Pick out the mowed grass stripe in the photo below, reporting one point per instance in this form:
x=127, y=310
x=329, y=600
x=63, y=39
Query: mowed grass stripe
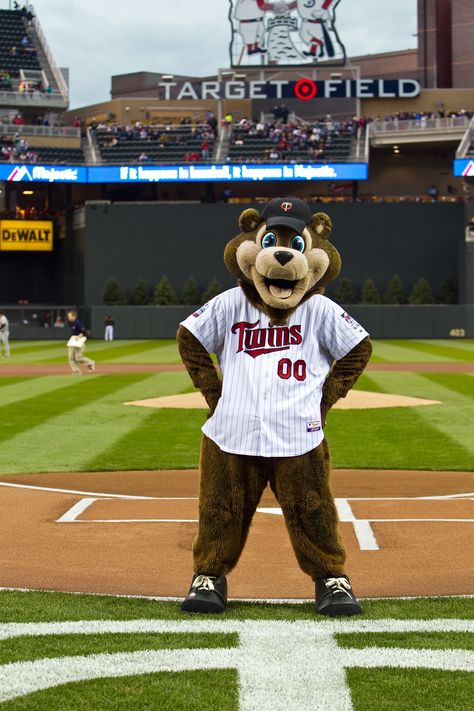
x=153, y=351
x=58, y=397
x=397, y=439
x=109, y=351
x=165, y=352
x=454, y=390
x=403, y=352
x=164, y=439
x=22, y=649
x=408, y=640
x=203, y=690
x=9, y=382
x=91, y=424
x=464, y=344
x=43, y=354
x=127, y=351
x=409, y=689
x=445, y=352
x=34, y=606
x=426, y=351
x=16, y=390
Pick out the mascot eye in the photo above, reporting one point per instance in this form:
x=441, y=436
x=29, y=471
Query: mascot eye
x=269, y=240
x=298, y=243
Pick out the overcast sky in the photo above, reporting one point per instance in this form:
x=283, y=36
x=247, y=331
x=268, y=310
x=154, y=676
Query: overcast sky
x=99, y=38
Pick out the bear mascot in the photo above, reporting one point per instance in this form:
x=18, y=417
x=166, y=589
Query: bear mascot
x=286, y=354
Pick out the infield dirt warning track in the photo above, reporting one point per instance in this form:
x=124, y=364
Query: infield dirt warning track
x=406, y=533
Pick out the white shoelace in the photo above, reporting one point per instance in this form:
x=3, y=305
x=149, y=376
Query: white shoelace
x=203, y=582
x=338, y=585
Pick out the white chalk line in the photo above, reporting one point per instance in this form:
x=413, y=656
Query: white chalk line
x=295, y=682
x=362, y=527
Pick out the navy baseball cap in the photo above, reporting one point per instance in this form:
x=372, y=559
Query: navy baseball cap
x=288, y=212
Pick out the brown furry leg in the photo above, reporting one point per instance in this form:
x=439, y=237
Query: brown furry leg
x=231, y=487
x=301, y=485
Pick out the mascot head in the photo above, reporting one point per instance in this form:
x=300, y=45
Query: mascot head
x=282, y=256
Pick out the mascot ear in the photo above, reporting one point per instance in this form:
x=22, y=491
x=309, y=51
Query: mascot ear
x=249, y=219
x=321, y=224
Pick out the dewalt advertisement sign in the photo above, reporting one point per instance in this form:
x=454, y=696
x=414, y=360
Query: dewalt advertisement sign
x=26, y=235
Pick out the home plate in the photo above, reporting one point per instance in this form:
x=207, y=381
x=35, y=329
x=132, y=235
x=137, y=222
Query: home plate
x=355, y=400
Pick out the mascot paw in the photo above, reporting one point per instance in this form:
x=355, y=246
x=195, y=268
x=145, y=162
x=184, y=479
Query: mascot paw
x=207, y=594
x=334, y=596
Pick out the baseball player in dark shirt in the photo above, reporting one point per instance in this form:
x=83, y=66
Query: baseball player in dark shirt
x=76, y=345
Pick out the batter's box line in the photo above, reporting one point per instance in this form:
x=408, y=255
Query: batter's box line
x=72, y=514
x=363, y=529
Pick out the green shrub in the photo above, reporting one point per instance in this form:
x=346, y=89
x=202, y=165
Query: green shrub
x=140, y=296
x=190, y=293
x=164, y=293
x=212, y=290
x=421, y=293
x=395, y=291
x=448, y=290
x=370, y=293
x=345, y=292
x=113, y=294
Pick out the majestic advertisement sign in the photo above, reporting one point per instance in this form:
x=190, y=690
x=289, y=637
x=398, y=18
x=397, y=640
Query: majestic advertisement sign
x=284, y=32
x=464, y=167
x=43, y=173
x=228, y=173
x=304, y=89
x=26, y=236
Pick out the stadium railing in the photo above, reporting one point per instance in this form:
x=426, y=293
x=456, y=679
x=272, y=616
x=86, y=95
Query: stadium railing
x=466, y=147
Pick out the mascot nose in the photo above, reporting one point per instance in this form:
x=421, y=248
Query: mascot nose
x=283, y=257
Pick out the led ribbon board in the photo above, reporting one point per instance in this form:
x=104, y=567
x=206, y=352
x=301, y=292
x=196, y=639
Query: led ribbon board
x=464, y=168
x=34, y=173
x=227, y=173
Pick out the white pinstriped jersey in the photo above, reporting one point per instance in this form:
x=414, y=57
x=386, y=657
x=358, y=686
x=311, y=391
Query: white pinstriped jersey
x=272, y=376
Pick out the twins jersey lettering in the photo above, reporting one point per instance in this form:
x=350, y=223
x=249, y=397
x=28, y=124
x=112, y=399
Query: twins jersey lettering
x=272, y=375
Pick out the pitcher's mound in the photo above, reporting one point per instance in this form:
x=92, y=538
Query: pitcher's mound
x=355, y=400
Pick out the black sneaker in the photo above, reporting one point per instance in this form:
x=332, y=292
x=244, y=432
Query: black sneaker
x=207, y=593
x=334, y=596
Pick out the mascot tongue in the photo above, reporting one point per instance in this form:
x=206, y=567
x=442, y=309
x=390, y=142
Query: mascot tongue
x=280, y=292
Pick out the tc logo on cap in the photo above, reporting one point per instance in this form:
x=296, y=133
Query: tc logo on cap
x=286, y=206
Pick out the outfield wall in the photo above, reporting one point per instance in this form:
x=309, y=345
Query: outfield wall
x=143, y=322
x=381, y=321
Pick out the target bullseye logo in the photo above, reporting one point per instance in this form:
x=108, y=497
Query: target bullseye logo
x=305, y=89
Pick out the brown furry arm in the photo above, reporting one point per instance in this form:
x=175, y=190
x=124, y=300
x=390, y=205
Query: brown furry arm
x=199, y=366
x=344, y=374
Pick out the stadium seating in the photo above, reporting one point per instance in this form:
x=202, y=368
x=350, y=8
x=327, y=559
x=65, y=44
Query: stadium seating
x=162, y=144
x=317, y=142
x=13, y=30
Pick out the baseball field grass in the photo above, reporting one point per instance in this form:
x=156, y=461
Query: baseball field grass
x=88, y=652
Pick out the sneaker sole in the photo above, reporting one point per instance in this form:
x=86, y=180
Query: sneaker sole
x=336, y=610
x=203, y=606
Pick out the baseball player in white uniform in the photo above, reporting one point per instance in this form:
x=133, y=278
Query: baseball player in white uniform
x=250, y=14
x=279, y=378
x=315, y=20
x=5, y=334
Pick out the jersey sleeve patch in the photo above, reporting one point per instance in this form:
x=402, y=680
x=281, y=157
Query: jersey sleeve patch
x=200, y=311
x=352, y=322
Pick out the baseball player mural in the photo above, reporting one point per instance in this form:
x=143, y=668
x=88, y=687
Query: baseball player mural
x=317, y=29
x=287, y=354
x=249, y=15
x=285, y=32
